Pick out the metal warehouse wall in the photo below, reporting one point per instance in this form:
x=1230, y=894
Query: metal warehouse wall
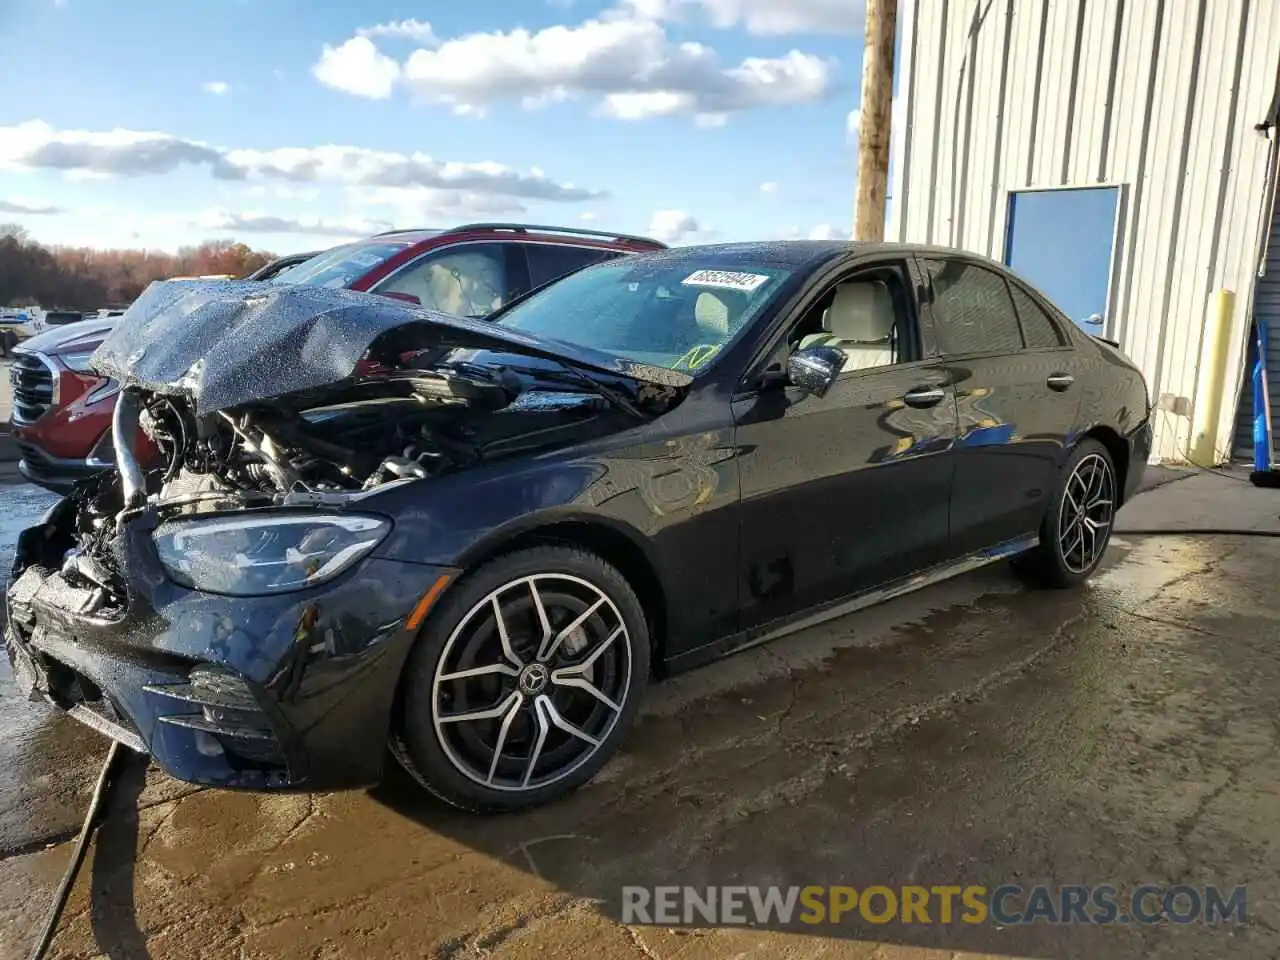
x=1158, y=95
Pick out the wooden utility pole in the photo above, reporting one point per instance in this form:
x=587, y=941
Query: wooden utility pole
x=874, y=121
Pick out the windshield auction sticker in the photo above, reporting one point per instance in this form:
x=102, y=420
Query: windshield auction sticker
x=725, y=280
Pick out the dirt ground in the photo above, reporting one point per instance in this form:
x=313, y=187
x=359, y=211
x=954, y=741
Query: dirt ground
x=973, y=733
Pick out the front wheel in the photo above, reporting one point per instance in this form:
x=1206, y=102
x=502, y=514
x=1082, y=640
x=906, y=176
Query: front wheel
x=524, y=681
x=1077, y=526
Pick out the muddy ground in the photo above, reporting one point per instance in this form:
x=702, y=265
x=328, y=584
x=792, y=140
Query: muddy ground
x=975, y=732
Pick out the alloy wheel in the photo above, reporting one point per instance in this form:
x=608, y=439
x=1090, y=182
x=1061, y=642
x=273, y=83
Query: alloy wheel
x=531, y=682
x=1086, y=513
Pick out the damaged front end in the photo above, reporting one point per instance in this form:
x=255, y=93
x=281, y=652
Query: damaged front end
x=218, y=600
x=238, y=400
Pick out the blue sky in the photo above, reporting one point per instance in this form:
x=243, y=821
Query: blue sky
x=292, y=125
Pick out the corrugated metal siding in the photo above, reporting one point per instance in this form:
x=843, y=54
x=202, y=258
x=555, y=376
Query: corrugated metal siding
x=1160, y=96
x=1266, y=306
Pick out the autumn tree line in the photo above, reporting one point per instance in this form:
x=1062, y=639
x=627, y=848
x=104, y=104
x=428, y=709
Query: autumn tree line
x=83, y=278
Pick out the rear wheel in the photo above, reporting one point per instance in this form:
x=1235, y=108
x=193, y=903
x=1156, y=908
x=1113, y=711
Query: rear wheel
x=1077, y=526
x=524, y=681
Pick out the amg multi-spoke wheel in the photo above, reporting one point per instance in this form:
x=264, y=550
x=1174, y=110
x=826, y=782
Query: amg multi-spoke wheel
x=1085, y=512
x=1077, y=525
x=525, y=679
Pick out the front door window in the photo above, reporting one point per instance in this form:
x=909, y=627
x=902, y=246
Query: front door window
x=466, y=281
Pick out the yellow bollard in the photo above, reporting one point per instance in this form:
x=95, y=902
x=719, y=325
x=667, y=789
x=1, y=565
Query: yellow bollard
x=1213, y=367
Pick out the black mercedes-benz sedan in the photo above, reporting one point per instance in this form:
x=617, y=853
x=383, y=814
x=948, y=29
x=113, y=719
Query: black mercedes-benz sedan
x=341, y=523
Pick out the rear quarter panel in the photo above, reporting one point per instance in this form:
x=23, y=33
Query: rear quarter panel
x=1114, y=393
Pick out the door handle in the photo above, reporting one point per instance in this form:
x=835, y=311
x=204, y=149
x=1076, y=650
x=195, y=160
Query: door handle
x=923, y=396
x=1060, y=381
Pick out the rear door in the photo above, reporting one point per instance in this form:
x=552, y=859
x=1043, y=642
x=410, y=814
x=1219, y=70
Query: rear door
x=1015, y=394
x=851, y=489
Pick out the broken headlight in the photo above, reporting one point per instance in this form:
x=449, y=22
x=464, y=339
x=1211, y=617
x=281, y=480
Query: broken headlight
x=252, y=556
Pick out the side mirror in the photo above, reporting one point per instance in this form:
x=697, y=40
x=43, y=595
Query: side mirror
x=815, y=369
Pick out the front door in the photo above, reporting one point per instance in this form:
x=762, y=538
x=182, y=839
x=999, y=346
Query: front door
x=848, y=490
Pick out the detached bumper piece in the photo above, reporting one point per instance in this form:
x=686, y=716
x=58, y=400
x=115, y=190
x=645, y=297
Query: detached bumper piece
x=83, y=700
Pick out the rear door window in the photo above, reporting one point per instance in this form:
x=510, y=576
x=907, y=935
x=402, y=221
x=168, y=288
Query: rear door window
x=549, y=261
x=972, y=309
x=1038, y=330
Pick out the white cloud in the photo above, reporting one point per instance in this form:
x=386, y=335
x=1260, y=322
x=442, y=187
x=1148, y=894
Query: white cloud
x=284, y=192
x=35, y=144
x=129, y=153
x=852, y=123
x=359, y=68
x=761, y=17
x=587, y=216
x=676, y=226
x=216, y=87
x=823, y=231
x=410, y=29
x=424, y=206
x=769, y=188
x=827, y=231
x=627, y=63
x=257, y=222
x=27, y=208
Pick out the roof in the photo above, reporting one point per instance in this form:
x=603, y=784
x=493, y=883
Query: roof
x=582, y=234
x=780, y=253
x=800, y=253
x=416, y=235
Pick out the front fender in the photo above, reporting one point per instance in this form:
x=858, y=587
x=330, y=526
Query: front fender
x=674, y=497
x=455, y=516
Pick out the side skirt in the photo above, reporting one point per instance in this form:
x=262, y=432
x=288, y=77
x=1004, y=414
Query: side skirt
x=766, y=632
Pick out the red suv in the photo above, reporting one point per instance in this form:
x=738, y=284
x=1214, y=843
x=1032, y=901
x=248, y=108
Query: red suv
x=62, y=410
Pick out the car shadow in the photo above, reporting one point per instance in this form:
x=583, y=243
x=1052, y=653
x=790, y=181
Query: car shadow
x=112, y=906
x=884, y=764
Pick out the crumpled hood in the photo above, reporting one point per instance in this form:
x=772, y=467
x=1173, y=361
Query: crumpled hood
x=223, y=344
x=70, y=337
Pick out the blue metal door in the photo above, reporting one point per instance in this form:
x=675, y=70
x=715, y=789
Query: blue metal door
x=1063, y=241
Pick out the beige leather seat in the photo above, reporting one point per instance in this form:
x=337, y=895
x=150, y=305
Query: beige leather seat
x=712, y=316
x=859, y=322
x=464, y=283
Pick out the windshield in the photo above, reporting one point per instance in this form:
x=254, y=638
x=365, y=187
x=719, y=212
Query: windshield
x=670, y=314
x=341, y=266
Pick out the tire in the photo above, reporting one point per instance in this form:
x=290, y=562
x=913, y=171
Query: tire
x=1062, y=560
x=558, y=717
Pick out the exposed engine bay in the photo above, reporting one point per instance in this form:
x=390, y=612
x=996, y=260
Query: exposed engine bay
x=394, y=426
